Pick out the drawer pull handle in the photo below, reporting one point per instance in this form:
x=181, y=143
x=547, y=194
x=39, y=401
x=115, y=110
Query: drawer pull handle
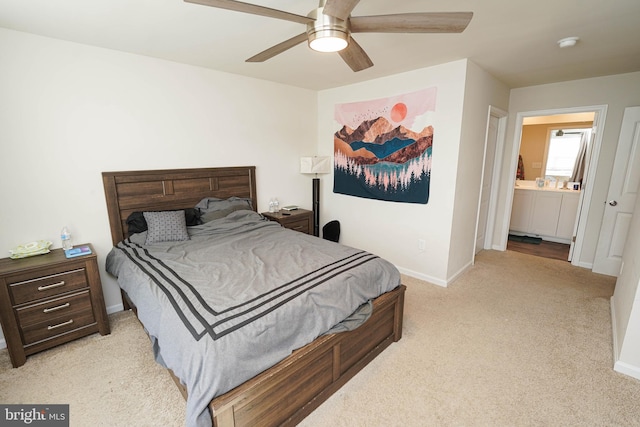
x=59, y=307
x=59, y=325
x=54, y=285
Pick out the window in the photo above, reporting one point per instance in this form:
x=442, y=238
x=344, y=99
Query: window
x=562, y=152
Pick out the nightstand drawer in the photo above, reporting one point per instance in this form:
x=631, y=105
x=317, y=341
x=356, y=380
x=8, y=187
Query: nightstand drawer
x=47, y=286
x=57, y=325
x=300, y=225
x=299, y=220
x=53, y=308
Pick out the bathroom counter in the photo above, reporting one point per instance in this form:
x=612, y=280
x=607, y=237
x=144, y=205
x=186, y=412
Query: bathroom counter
x=531, y=185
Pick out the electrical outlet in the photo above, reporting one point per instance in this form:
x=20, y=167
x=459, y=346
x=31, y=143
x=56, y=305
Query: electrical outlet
x=422, y=245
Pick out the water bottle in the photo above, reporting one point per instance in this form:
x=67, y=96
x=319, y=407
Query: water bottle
x=271, y=206
x=276, y=205
x=65, y=236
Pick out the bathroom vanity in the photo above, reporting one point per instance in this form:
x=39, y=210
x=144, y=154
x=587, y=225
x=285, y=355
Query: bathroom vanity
x=549, y=213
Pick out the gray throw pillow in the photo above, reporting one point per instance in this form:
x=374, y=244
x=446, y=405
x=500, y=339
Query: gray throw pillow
x=210, y=204
x=166, y=226
x=213, y=215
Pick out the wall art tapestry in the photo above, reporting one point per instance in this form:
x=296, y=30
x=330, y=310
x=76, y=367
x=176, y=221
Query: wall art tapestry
x=383, y=150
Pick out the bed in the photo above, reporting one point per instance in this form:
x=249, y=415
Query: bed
x=290, y=386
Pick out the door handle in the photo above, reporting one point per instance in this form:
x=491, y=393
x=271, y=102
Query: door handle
x=613, y=203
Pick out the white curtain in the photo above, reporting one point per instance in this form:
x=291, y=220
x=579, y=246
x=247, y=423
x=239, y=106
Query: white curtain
x=578, y=167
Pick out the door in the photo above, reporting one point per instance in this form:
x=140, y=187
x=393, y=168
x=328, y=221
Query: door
x=623, y=190
x=487, y=177
x=625, y=305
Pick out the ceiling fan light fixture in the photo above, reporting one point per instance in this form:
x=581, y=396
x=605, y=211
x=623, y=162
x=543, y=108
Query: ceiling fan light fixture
x=327, y=33
x=328, y=41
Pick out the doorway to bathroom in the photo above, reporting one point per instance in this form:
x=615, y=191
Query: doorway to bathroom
x=546, y=206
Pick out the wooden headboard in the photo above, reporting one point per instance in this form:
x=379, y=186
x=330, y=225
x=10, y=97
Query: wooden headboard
x=171, y=189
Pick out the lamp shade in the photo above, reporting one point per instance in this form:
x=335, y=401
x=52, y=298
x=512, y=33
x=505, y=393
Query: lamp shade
x=315, y=164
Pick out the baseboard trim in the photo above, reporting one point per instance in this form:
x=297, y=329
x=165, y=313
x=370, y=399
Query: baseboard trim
x=453, y=278
x=614, y=331
x=434, y=280
x=627, y=369
x=421, y=276
x=587, y=265
x=618, y=366
x=115, y=308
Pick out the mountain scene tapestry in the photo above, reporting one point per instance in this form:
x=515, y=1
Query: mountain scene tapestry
x=383, y=149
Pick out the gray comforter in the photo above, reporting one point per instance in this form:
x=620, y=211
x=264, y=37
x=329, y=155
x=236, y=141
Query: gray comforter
x=240, y=296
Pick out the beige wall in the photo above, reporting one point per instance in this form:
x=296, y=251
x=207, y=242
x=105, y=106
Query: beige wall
x=70, y=112
x=388, y=229
x=447, y=222
x=533, y=142
x=481, y=91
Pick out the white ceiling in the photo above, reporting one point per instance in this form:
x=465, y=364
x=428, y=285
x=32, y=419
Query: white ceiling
x=514, y=40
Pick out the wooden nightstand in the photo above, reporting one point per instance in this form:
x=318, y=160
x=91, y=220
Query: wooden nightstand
x=299, y=220
x=47, y=300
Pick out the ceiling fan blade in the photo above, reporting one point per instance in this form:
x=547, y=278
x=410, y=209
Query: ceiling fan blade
x=340, y=9
x=253, y=9
x=279, y=48
x=436, y=22
x=355, y=56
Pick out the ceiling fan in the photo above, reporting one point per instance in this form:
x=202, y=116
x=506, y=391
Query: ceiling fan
x=329, y=27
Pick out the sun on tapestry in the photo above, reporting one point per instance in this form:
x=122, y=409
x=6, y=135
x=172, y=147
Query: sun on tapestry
x=383, y=148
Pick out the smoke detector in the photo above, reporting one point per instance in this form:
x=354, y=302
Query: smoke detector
x=568, y=41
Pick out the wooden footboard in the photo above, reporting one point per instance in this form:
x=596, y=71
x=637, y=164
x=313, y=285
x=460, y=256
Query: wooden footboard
x=292, y=389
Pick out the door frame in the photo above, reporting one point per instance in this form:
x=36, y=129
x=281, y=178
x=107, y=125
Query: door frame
x=587, y=192
x=502, y=117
